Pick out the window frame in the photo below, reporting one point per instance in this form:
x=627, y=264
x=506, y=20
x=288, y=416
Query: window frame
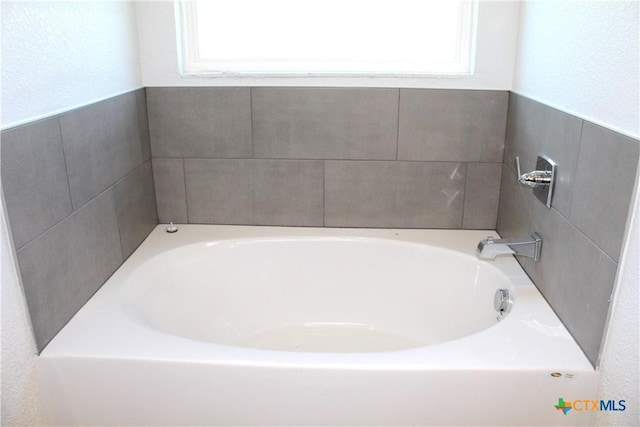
x=191, y=65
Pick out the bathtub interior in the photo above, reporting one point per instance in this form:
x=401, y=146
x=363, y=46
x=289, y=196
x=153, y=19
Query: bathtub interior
x=317, y=294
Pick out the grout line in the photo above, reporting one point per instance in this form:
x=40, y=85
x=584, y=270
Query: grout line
x=153, y=184
x=331, y=160
x=575, y=171
x=324, y=192
x=398, y=125
x=64, y=158
x=495, y=225
x=74, y=212
x=251, y=122
x=506, y=128
x=115, y=208
x=466, y=185
x=186, y=197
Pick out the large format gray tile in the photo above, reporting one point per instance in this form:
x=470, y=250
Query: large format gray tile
x=65, y=266
x=605, y=176
x=452, y=125
x=136, y=207
x=394, y=194
x=254, y=192
x=200, y=121
x=34, y=179
x=102, y=143
x=325, y=123
x=171, y=197
x=481, y=196
x=575, y=277
x=534, y=128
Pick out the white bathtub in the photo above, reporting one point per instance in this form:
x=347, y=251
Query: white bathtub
x=223, y=325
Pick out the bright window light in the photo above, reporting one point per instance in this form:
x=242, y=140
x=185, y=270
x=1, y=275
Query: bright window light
x=330, y=37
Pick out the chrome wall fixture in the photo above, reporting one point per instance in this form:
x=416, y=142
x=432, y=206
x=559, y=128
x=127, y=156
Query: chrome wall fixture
x=529, y=246
x=541, y=180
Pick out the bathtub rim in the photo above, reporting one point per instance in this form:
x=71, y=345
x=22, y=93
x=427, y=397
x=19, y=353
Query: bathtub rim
x=90, y=332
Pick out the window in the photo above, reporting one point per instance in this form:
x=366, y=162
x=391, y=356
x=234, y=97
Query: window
x=329, y=37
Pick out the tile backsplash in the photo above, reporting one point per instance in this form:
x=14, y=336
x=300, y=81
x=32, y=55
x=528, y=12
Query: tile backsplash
x=84, y=188
x=584, y=229
x=79, y=196
x=335, y=157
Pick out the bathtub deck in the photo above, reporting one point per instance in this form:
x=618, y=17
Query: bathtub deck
x=104, y=367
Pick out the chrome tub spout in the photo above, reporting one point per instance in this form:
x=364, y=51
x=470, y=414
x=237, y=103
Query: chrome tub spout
x=529, y=246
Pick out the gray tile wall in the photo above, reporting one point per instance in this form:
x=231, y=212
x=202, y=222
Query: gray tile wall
x=338, y=157
x=82, y=190
x=79, y=194
x=583, y=231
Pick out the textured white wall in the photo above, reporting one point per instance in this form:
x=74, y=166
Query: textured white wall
x=497, y=29
x=59, y=55
x=21, y=405
x=582, y=57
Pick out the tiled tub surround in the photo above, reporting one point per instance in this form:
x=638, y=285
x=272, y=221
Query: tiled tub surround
x=348, y=157
x=79, y=194
x=584, y=229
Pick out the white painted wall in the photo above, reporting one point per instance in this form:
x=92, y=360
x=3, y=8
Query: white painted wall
x=582, y=57
x=59, y=55
x=56, y=56
x=21, y=405
x=497, y=30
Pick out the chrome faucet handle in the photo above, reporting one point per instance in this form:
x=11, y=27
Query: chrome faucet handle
x=540, y=180
x=534, y=178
